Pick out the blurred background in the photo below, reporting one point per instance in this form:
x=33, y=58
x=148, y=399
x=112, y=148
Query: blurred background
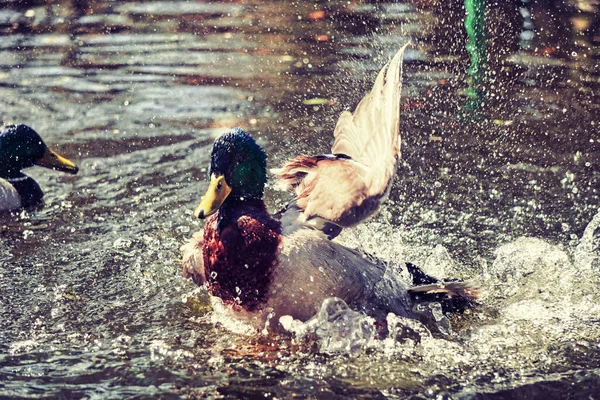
x=499, y=184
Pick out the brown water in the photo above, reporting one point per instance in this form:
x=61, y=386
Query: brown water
x=92, y=302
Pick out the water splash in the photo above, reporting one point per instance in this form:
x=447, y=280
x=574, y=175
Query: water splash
x=336, y=327
x=587, y=253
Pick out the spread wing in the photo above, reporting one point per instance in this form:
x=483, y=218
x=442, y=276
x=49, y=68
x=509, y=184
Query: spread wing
x=348, y=186
x=370, y=135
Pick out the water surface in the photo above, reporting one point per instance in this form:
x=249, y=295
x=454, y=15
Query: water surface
x=92, y=301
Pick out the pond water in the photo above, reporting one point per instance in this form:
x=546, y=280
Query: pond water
x=502, y=190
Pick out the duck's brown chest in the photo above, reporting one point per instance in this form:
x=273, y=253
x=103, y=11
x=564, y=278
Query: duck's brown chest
x=239, y=259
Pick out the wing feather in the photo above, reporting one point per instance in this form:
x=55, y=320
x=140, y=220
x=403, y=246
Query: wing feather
x=349, y=185
x=370, y=135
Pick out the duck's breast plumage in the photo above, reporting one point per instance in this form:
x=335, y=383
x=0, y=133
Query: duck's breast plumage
x=239, y=258
x=9, y=197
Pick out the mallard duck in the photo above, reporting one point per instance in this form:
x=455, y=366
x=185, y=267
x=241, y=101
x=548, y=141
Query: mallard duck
x=261, y=266
x=22, y=147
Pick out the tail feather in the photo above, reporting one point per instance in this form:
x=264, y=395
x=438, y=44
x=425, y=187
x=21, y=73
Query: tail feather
x=449, y=290
x=454, y=296
x=418, y=276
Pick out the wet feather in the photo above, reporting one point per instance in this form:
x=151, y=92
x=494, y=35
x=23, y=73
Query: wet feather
x=349, y=185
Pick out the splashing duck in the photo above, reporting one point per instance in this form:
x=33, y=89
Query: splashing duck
x=260, y=266
x=22, y=147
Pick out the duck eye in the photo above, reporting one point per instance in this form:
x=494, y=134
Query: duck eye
x=219, y=186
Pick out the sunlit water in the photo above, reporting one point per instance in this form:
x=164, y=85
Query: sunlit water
x=92, y=302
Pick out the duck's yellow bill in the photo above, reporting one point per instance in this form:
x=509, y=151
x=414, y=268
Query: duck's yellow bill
x=52, y=160
x=215, y=195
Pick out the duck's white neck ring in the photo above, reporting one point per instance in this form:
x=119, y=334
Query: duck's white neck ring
x=18, y=179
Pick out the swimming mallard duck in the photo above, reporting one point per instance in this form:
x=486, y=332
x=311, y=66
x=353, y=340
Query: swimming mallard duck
x=21, y=147
x=262, y=266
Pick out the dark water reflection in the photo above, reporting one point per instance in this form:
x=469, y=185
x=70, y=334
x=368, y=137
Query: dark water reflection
x=91, y=295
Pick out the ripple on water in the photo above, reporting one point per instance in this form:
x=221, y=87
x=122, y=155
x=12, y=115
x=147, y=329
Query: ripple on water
x=180, y=8
x=92, y=301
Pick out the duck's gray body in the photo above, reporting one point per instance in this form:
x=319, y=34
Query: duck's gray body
x=311, y=269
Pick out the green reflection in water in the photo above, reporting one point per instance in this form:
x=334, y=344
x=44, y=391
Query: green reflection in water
x=476, y=46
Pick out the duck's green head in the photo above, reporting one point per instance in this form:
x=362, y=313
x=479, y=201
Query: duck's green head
x=21, y=147
x=238, y=168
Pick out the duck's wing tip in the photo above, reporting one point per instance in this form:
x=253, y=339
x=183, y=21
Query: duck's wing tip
x=374, y=124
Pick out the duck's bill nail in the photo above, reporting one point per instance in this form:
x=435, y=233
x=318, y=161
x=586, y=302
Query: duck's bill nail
x=52, y=160
x=217, y=192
